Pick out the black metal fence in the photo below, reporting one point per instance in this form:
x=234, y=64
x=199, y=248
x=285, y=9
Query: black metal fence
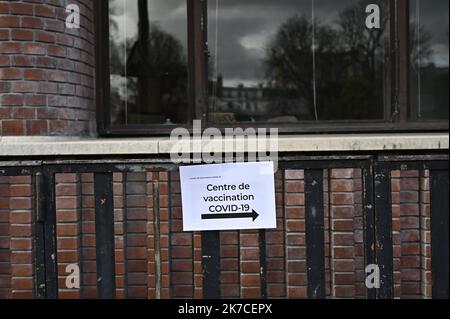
x=377, y=215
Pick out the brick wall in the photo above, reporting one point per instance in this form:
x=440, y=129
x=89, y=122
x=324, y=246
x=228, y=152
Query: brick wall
x=47, y=82
x=155, y=258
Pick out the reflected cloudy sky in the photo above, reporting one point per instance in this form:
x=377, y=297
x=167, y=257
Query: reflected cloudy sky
x=433, y=15
x=169, y=15
x=243, y=27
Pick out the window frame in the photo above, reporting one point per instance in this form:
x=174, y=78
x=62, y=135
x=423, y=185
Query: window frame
x=197, y=83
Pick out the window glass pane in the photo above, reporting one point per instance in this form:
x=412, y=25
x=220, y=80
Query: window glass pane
x=429, y=59
x=148, y=61
x=303, y=60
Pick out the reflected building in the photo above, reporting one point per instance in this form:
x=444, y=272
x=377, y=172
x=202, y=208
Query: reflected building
x=254, y=104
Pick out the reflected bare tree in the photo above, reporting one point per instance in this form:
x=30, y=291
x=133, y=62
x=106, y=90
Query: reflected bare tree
x=420, y=44
x=154, y=68
x=351, y=62
x=289, y=57
x=157, y=60
x=364, y=46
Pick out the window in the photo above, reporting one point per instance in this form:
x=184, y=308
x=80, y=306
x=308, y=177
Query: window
x=294, y=61
x=302, y=66
x=148, y=62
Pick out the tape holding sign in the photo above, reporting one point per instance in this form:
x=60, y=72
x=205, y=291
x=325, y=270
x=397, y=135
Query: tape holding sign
x=228, y=196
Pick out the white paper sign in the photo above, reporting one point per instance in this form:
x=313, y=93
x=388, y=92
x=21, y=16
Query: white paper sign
x=228, y=196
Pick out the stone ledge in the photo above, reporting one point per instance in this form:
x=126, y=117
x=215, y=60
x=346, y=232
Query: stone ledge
x=70, y=146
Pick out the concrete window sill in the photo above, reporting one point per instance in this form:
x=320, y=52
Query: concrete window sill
x=68, y=146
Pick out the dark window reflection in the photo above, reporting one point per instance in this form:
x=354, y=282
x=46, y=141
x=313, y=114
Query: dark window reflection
x=148, y=48
x=302, y=60
x=429, y=59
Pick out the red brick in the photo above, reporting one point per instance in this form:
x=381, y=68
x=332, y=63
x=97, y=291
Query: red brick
x=20, y=257
x=342, y=186
x=23, y=87
x=9, y=22
x=44, y=11
x=343, y=239
x=294, y=174
x=33, y=74
x=343, y=225
x=344, y=266
x=344, y=279
x=294, y=187
x=32, y=23
x=295, y=199
x=22, y=283
x=10, y=74
x=34, y=48
x=4, y=8
x=249, y=240
x=250, y=293
x=37, y=127
x=42, y=36
x=13, y=127
x=21, y=244
x=410, y=249
x=297, y=292
x=20, y=217
x=21, y=9
x=137, y=253
x=295, y=225
x=21, y=35
x=342, y=199
x=345, y=291
x=22, y=270
x=342, y=173
x=4, y=61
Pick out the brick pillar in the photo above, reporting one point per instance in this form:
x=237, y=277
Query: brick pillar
x=47, y=82
x=119, y=234
x=275, y=250
x=182, y=266
x=249, y=263
x=88, y=251
x=166, y=275
x=5, y=254
x=136, y=235
x=410, y=234
x=360, y=265
x=396, y=228
x=229, y=264
x=198, y=267
x=343, y=237
x=21, y=232
x=68, y=230
x=295, y=234
x=425, y=232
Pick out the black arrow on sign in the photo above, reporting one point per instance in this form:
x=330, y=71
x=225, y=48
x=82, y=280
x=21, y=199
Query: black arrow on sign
x=254, y=215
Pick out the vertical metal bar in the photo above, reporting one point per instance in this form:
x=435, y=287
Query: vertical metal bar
x=39, y=240
x=369, y=220
x=315, y=250
x=400, y=58
x=51, y=271
x=439, y=233
x=211, y=264
x=104, y=230
x=262, y=263
x=383, y=225
x=197, y=58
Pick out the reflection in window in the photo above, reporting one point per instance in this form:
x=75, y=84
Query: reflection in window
x=429, y=59
x=290, y=61
x=148, y=61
